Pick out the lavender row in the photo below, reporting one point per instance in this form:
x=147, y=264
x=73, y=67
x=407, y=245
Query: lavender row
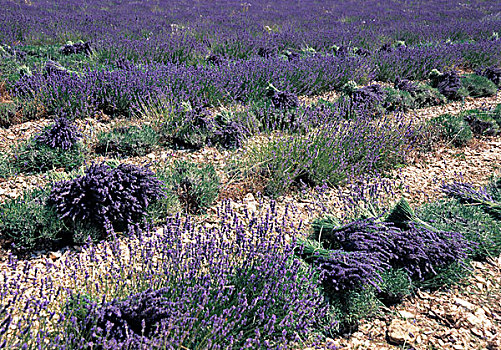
x=178, y=29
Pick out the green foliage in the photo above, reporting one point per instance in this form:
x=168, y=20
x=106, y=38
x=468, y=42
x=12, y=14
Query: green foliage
x=350, y=307
x=196, y=186
x=34, y=157
x=132, y=141
x=478, y=86
x=8, y=112
x=481, y=122
x=452, y=128
x=397, y=100
x=29, y=222
x=394, y=286
x=471, y=221
x=427, y=96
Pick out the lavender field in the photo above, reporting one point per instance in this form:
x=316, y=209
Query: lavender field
x=250, y=175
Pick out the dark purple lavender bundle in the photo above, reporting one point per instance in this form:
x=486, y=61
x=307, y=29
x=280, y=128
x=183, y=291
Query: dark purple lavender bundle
x=343, y=50
x=466, y=193
x=215, y=59
x=228, y=135
x=285, y=100
x=61, y=134
x=492, y=73
x=418, y=250
x=342, y=271
x=105, y=197
x=360, y=51
x=368, y=100
x=449, y=84
x=405, y=85
x=368, y=95
x=386, y=48
x=76, y=48
x=282, y=99
x=266, y=52
x=55, y=68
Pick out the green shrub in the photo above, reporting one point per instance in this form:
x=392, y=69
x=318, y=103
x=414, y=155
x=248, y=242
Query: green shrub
x=397, y=100
x=34, y=157
x=130, y=141
x=196, y=186
x=8, y=111
x=478, y=86
x=426, y=96
x=481, y=122
x=471, y=221
x=452, y=128
x=29, y=222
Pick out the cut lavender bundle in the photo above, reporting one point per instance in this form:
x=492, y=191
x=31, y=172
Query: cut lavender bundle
x=468, y=194
x=492, y=73
x=61, y=134
x=105, y=197
x=448, y=83
x=282, y=99
x=76, y=48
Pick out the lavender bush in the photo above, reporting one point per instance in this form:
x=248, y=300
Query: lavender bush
x=331, y=153
x=57, y=146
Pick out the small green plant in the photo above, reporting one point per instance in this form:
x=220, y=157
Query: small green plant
x=8, y=112
x=397, y=100
x=34, y=157
x=478, y=86
x=481, y=122
x=452, y=128
x=196, y=186
x=132, y=141
x=29, y=222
